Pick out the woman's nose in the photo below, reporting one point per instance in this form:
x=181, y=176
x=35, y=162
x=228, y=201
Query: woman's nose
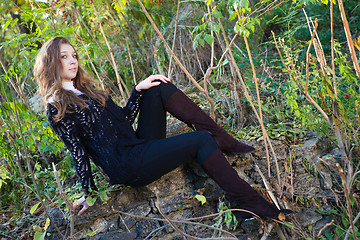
x=72, y=60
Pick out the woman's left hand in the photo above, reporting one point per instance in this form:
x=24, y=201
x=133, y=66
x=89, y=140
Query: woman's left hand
x=81, y=202
x=149, y=82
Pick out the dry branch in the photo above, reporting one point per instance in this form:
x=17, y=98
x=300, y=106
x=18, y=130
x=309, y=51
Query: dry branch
x=349, y=39
x=120, y=81
x=175, y=57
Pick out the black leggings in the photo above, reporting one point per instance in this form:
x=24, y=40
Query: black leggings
x=165, y=154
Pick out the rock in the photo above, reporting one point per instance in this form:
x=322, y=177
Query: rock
x=115, y=236
x=250, y=225
x=321, y=226
x=315, y=147
x=37, y=103
x=59, y=219
x=308, y=217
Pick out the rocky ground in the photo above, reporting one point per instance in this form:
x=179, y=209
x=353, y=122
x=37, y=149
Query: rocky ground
x=306, y=179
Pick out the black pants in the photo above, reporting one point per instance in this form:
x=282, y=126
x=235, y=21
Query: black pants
x=166, y=154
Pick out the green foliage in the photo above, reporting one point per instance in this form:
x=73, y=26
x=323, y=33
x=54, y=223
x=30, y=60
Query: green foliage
x=26, y=137
x=200, y=198
x=228, y=219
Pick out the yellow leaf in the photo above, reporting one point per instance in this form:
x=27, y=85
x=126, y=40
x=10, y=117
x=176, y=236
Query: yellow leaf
x=47, y=223
x=33, y=209
x=357, y=43
x=281, y=217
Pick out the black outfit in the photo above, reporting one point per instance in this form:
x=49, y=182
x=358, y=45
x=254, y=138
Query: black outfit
x=128, y=157
x=138, y=158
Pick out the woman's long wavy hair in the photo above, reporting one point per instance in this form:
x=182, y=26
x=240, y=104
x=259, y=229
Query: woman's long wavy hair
x=47, y=72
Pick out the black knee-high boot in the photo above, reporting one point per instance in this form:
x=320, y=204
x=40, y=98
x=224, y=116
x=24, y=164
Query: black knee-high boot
x=219, y=169
x=184, y=109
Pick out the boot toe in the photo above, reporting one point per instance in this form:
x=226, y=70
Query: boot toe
x=241, y=148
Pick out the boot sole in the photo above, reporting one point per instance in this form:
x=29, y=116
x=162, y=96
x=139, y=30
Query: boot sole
x=239, y=153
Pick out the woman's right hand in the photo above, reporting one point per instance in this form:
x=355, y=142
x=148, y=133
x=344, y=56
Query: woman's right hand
x=81, y=202
x=150, y=82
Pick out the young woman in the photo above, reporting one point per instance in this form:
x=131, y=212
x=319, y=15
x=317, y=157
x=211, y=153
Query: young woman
x=92, y=126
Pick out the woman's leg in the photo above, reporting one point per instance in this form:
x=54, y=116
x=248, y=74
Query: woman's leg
x=166, y=154
x=184, y=109
x=166, y=97
x=152, y=116
x=219, y=169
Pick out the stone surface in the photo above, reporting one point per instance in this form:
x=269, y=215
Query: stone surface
x=176, y=191
x=115, y=236
x=308, y=217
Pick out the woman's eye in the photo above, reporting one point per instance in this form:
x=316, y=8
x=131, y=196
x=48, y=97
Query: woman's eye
x=75, y=56
x=63, y=56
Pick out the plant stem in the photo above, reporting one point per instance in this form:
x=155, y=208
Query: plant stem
x=349, y=39
x=174, y=38
x=175, y=57
x=121, y=83
x=260, y=112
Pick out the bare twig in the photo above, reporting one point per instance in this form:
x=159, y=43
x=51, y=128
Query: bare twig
x=349, y=39
x=121, y=83
x=30, y=169
x=130, y=58
x=280, y=233
x=267, y=187
x=267, y=231
x=348, y=201
x=187, y=221
x=174, y=38
x=177, y=229
x=307, y=96
x=260, y=112
x=93, y=67
x=66, y=200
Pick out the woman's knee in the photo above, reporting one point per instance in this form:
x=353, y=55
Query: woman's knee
x=207, y=145
x=164, y=90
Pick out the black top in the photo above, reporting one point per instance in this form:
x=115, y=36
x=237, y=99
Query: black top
x=105, y=135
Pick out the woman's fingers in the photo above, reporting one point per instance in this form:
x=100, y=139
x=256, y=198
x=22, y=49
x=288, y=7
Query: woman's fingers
x=151, y=82
x=85, y=206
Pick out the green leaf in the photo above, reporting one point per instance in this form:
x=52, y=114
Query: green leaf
x=252, y=27
x=39, y=235
x=209, y=39
x=200, y=198
x=217, y=28
x=93, y=233
x=289, y=225
x=208, y=2
x=218, y=14
x=7, y=24
x=91, y=200
x=325, y=2
x=241, y=4
x=103, y=196
x=33, y=209
x=237, y=28
x=202, y=42
x=195, y=44
x=232, y=15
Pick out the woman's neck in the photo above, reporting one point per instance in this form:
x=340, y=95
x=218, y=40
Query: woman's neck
x=69, y=85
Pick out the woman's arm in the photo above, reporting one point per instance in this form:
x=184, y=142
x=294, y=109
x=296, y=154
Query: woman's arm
x=133, y=105
x=68, y=131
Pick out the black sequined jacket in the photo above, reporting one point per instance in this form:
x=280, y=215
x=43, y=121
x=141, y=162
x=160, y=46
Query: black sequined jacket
x=103, y=134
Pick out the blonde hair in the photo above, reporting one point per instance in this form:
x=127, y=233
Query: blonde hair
x=47, y=71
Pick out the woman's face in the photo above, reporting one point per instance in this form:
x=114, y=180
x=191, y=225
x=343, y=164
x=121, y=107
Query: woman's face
x=69, y=62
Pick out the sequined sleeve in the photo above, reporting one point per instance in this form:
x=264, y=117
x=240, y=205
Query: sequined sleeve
x=68, y=132
x=133, y=105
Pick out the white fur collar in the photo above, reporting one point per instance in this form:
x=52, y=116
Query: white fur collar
x=67, y=86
